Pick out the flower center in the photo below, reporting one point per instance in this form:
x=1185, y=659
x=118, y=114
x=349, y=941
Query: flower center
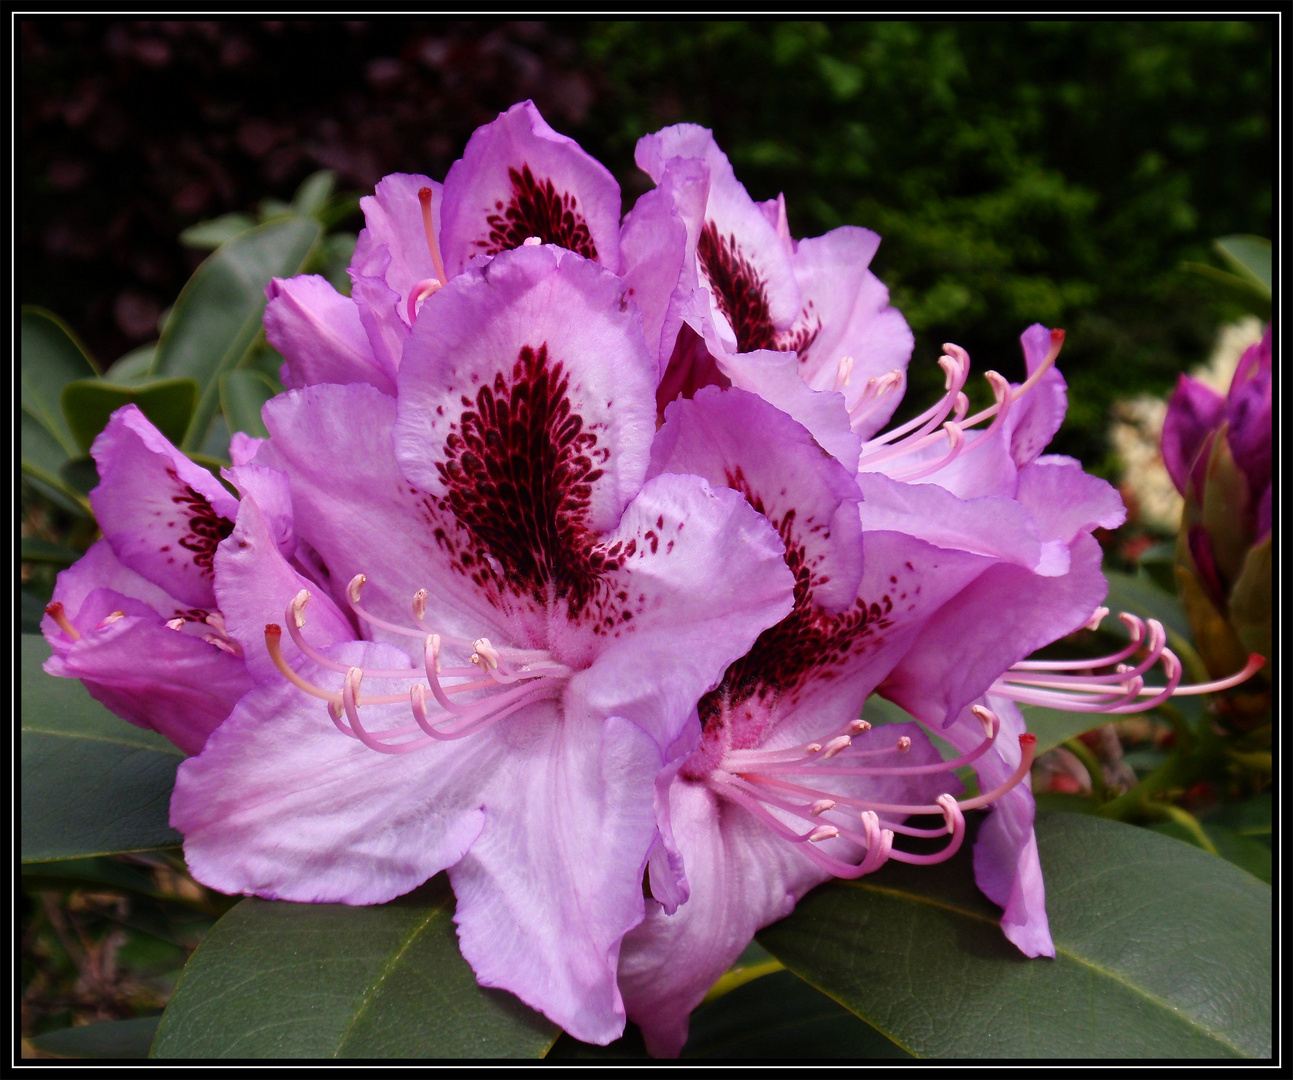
x=537, y=209
x=504, y=680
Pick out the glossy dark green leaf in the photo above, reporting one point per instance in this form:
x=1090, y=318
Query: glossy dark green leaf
x=1162, y=951
x=217, y=317
x=1141, y=596
x=781, y=1016
x=80, y=474
x=1054, y=727
x=1249, y=256
x=1239, y=289
x=242, y=393
x=35, y=550
x=135, y=366
x=112, y=1039
x=1234, y=847
x=168, y=403
x=32, y=611
x=1251, y=818
x=274, y=979
x=91, y=783
x=209, y=235
x=314, y=192
x=51, y=358
x=101, y=872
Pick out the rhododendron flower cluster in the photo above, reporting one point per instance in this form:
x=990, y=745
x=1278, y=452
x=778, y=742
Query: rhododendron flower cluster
x=575, y=550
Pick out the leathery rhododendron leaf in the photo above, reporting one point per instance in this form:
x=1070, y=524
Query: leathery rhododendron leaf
x=91, y=784
x=276, y=979
x=1162, y=950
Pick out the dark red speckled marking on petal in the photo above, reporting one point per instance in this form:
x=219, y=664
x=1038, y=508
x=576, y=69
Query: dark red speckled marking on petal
x=739, y=293
x=519, y=468
x=806, y=643
x=537, y=209
x=206, y=527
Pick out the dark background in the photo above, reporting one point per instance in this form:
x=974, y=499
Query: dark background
x=1018, y=171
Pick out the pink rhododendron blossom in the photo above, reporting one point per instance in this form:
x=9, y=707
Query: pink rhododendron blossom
x=518, y=181
x=136, y=619
x=564, y=610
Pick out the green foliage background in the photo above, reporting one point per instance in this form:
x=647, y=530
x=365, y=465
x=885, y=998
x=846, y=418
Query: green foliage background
x=1018, y=172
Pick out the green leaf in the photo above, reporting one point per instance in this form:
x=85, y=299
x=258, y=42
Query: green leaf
x=168, y=403
x=242, y=393
x=91, y=783
x=1141, y=596
x=1250, y=600
x=32, y=611
x=1243, y=851
x=315, y=191
x=1238, y=289
x=1053, y=727
x=275, y=979
x=781, y=1016
x=34, y=550
x=1249, y=256
x=1251, y=818
x=135, y=366
x=51, y=358
x=217, y=317
x=80, y=474
x=111, y=1039
x=97, y=873
x=209, y=235
x=1162, y=951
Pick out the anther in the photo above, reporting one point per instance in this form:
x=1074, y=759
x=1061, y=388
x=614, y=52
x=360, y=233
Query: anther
x=813, y=748
x=836, y=746
x=433, y=650
x=844, y=373
x=1097, y=617
x=823, y=832
x=484, y=655
x=108, y=620
x=531, y=241
x=821, y=806
x=55, y=611
x=856, y=727
x=419, y=604
x=175, y=624
x=987, y=718
x=355, y=587
x=298, y=607
x=903, y=745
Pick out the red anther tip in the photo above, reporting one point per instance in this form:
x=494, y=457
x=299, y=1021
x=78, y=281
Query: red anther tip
x=1027, y=739
x=1057, y=337
x=53, y=609
x=424, y=195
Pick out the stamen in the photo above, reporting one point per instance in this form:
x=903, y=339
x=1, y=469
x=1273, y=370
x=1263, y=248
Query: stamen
x=844, y=372
x=418, y=293
x=1097, y=617
x=108, y=620
x=531, y=241
x=857, y=727
x=273, y=645
x=175, y=624
x=55, y=611
x=484, y=654
x=821, y=806
x=836, y=746
x=425, y=196
x=823, y=832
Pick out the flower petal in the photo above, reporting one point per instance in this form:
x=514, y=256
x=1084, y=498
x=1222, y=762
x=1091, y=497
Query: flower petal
x=554, y=881
x=1036, y=417
x=846, y=312
x=703, y=574
x=745, y=264
x=394, y=233
x=735, y=439
x=162, y=514
x=518, y=178
x=281, y=804
x=658, y=251
x=320, y=335
x=1193, y=412
x=352, y=505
